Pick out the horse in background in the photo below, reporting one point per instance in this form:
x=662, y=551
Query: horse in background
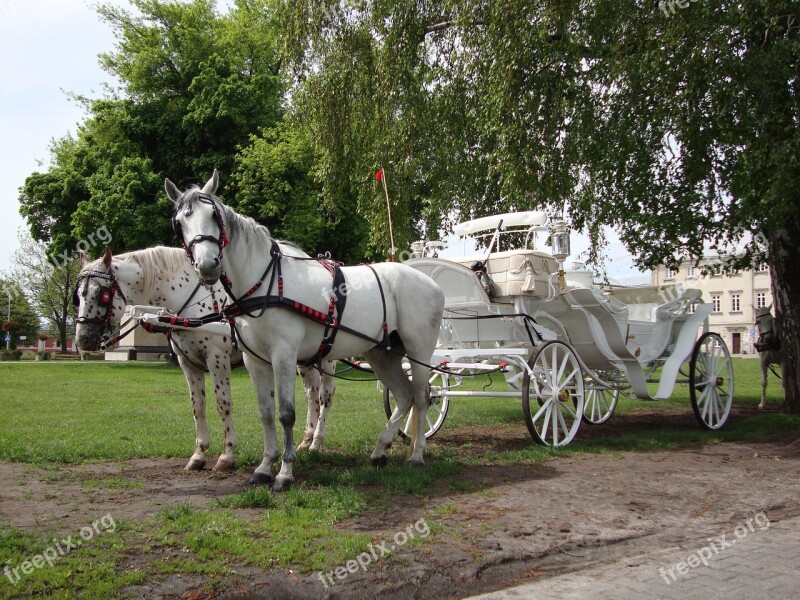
x=768, y=347
x=164, y=277
x=282, y=318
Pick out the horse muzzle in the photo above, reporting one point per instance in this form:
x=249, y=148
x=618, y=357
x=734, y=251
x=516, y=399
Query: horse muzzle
x=88, y=338
x=209, y=271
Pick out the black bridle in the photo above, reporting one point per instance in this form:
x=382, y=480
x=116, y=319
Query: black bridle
x=105, y=297
x=222, y=241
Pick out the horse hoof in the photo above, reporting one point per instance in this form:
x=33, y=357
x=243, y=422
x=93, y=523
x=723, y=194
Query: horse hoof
x=196, y=464
x=304, y=445
x=416, y=463
x=282, y=484
x=380, y=461
x=223, y=464
x=260, y=479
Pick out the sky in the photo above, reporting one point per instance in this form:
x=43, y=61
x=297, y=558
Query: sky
x=48, y=50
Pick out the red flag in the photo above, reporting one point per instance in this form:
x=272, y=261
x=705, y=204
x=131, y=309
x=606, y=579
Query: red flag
x=379, y=175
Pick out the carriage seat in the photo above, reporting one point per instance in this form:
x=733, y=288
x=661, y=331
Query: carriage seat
x=516, y=272
x=657, y=302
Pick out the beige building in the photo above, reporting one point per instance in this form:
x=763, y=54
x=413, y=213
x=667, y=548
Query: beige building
x=733, y=296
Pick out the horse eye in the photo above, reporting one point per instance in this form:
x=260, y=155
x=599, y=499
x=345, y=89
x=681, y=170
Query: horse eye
x=187, y=211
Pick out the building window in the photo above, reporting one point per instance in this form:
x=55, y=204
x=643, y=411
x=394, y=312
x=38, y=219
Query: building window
x=670, y=274
x=761, y=299
x=690, y=272
x=716, y=302
x=736, y=304
x=762, y=267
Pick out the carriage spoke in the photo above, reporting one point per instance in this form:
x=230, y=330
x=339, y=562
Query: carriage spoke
x=568, y=408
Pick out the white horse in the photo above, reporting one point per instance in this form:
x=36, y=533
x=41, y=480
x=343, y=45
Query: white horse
x=390, y=310
x=768, y=346
x=164, y=277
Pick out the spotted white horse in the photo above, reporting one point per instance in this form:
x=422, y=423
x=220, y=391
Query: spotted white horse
x=768, y=346
x=391, y=309
x=164, y=277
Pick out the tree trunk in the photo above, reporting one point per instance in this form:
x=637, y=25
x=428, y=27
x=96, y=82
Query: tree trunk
x=62, y=332
x=784, y=262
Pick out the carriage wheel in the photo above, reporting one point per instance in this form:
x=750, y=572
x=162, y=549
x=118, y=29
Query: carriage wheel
x=552, y=395
x=711, y=381
x=438, y=404
x=599, y=404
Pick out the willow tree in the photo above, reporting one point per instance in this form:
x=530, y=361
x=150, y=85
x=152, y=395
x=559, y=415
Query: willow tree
x=676, y=125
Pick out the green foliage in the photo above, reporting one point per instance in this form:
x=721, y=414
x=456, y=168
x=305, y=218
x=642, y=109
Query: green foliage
x=664, y=126
x=277, y=187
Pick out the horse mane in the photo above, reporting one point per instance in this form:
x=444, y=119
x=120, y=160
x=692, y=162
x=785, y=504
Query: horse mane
x=154, y=262
x=244, y=228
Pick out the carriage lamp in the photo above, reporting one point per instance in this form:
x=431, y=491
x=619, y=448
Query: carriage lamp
x=418, y=249
x=559, y=240
x=559, y=236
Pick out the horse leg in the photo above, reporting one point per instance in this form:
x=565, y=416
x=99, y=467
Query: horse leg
x=388, y=367
x=327, y=389
x=219, y=367
x=420, y=376
x=312, y=384
x=196, y=380
x=764, y=367
x=284, y=367
x=263, y=381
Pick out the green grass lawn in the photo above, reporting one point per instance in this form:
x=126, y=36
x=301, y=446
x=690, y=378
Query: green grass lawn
x=56, y=413
x=74, y=412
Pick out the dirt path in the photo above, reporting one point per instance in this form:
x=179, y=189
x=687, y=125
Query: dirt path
x=510, y=524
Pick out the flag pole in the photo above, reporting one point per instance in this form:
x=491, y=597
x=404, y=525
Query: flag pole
x=382, y=177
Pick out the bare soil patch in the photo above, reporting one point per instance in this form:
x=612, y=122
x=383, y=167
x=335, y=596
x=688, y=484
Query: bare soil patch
x=495, y=526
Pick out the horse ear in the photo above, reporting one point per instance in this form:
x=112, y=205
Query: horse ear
x=107, y=257
x=211, y=185
x=173, y=193
x=769, y=308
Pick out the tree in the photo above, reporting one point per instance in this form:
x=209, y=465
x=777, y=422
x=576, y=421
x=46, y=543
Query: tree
x=47, y=286
x=275, y=179
x=678, y=126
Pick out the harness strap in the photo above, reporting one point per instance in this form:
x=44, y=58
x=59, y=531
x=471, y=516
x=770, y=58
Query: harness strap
x=386, y=343
x=274, y=267
x=337, y=304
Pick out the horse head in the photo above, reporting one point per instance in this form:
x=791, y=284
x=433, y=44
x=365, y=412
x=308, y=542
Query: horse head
x=199, y=223
x=764, y=319
x=95, y=293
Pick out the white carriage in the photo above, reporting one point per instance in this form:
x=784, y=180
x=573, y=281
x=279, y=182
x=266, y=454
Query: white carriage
x=567, y=348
